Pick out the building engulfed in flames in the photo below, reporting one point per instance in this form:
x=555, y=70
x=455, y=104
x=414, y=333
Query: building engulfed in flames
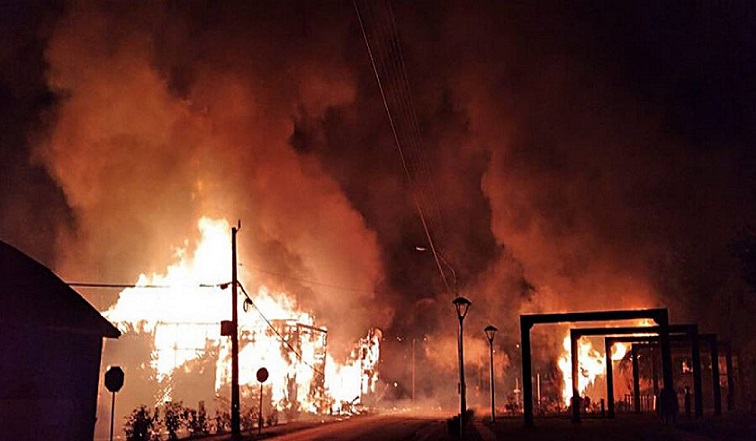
x=182, y=321
x=296, y=337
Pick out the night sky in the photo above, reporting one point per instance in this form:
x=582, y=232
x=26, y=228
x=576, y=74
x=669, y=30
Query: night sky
x=567, y=155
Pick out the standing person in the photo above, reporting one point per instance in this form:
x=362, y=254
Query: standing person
x=686, y=401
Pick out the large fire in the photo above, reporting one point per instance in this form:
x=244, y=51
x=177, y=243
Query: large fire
x=183, y=318
x=591, y=362
x=590, y=366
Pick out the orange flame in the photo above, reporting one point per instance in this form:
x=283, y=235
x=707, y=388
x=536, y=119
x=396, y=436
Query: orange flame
x=591, y=362
x=184, y=321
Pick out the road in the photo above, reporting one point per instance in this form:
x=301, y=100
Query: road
x=406, y=427
x=396, y=427
x=432, y=427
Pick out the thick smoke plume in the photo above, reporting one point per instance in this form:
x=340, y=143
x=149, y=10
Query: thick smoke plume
x=147, y=139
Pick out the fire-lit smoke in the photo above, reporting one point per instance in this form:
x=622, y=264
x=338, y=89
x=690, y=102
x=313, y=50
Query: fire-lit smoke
x=141, y=156
x=146, y=141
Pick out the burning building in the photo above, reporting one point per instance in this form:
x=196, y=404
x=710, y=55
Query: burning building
x=305, y=346
x=177, y=314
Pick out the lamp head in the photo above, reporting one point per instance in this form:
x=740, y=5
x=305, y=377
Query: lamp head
x=490, y=331
x=462, y=305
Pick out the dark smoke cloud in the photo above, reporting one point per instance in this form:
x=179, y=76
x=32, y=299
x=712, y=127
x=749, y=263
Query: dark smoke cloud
x=147, y=138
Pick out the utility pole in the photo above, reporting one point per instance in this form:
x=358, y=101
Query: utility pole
x=413, y=369
x=235, y=420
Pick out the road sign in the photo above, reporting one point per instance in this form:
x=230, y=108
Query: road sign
x=262, y=375
x=114, y=379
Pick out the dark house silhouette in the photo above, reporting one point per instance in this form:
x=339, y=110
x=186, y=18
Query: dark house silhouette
x=50, y=348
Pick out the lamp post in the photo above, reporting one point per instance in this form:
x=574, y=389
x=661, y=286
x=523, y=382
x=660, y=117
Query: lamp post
x=490, y=331
x=462, y=305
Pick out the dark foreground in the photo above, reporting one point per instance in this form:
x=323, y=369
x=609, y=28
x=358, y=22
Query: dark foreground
x=623, y=428
x=407, y=426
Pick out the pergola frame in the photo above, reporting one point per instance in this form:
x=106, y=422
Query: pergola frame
x=640, y=341
x=659, y=315
x=687, y=332
x=713, y=343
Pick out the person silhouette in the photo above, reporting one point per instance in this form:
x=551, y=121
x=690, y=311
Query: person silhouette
x=686, y=401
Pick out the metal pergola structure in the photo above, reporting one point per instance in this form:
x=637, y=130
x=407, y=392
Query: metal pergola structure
x=713, y=346
x=659, y=315
x=687, y=332
x=677, y=333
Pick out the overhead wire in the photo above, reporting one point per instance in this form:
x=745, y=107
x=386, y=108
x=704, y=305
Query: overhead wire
x=393, y=69
x=217, y=285
x=415, y=133
x=134, y=285
x=394, y=123
x=402, y=106
x=391, y=66
x=273, y=328
x=310, y=282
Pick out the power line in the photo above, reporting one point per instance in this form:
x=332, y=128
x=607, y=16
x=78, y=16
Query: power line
x=150, y=286
x=394, y=130
x=281, y=337
x=217, y=285
x=311, y=282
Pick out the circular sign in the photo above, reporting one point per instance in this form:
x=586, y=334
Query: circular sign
x=262, y=375
x=114, y=379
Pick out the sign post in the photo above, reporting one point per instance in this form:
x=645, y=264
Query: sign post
x=114, y=383
x=262, y=375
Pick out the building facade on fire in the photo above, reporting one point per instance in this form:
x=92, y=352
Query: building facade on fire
x=50, y=349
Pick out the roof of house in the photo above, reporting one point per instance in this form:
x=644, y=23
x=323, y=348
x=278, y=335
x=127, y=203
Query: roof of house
x=32, y=295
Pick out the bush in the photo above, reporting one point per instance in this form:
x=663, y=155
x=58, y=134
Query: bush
x=174, y=419
x=141, y=426
x=196, y=422
x=452, y=424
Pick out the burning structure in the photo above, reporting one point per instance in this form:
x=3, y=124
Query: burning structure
x=306, y=346
x=179, y=314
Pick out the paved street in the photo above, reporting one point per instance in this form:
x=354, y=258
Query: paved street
x=623, y=428
x=405, y=427
x=383, y=427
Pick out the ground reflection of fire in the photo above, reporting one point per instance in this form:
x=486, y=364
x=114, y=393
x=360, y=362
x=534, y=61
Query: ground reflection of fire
x=184, y=318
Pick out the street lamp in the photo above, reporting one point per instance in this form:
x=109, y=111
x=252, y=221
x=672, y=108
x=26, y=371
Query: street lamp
x=462, y=305
x=490, y=331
